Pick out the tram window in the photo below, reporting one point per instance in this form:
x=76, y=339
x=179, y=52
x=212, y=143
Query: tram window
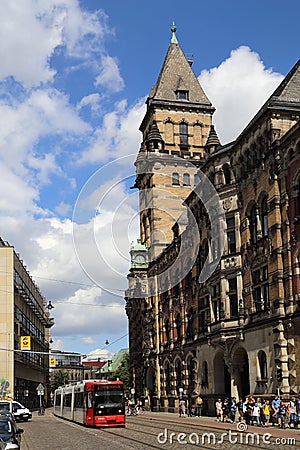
x=67, y=400
x=78, y=400
x=90, y=400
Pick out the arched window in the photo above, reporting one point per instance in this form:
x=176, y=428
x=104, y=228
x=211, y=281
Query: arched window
x=204, y=374
x=196, y=179
x=190, y=325
x=227, y=174
x=264, y=216
x=191, y=373
x=183, y=133
x=168, y=378
x=178, y=325
x=175, y=178
x=253, y=224
x=178, y=374
x=167, y=328
x=263, y=366
x=186, y=179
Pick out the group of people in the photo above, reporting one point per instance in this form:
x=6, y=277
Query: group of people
x=194, y=409
x=134, y=407
x=259, y=411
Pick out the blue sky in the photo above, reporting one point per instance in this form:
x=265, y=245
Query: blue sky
x=74, y=77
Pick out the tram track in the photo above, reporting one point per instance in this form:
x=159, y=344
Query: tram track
x=151, y=430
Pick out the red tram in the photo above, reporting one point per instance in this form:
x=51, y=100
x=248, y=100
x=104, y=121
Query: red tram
x=92, y=402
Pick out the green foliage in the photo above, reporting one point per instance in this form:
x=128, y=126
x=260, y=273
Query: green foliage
x=122, y=372
x=59, y=379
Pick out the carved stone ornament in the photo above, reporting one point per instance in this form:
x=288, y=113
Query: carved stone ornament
x=227, y=204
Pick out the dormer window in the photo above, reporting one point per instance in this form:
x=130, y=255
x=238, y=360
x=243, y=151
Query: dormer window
x=182, y=95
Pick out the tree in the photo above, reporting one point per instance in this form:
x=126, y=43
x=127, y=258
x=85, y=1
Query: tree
x=122, y=371
x=59, y=379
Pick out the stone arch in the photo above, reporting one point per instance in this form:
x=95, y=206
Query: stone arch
x=240, y=372
x=221, y=376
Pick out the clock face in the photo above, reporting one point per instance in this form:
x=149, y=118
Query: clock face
x=139, y=259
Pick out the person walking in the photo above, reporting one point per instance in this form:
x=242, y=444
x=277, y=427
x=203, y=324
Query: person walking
x=199, y=404
x=182, y=407
x=219, y=410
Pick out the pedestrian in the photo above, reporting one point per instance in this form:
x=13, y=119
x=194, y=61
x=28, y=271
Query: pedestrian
x=182, y=407
x=267, y=413
x=292, y=412
x=240, y=409
x=281, y=415
x=275, y=407
x=232, y=411
x=199, y=404
x=219, y=410
x=225, y=407
x=255, y=414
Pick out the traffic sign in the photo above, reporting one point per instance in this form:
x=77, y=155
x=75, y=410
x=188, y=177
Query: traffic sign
x=40, y=389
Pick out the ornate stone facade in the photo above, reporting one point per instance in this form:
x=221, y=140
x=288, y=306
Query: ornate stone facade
x=235, y=330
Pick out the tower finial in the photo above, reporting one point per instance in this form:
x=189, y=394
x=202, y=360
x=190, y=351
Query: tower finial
x=174, y=38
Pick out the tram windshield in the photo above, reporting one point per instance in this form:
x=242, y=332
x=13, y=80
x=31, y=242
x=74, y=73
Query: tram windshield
x=109, y=398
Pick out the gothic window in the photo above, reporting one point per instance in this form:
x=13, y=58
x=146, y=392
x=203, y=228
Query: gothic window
x=263, y=366
x=232, y=294
x=190, y=324
x=226, y=172
x=253, y=224
x=203, y=314
x=168, y=378
x=178, y=325
x=183, y=134
x=231, y=235
x=264, y=216
x=191, y=371
x=216, y=301
x=167, y=329
x=204, y=382
x=178, y=374
x=186, y=179
x=260, y=289
x=175, y=179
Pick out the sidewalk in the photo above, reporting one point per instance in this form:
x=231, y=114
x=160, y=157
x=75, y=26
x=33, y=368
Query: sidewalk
x=211, y=422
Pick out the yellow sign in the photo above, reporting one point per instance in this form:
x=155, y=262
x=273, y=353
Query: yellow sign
x=52, y=362
x=25, y=343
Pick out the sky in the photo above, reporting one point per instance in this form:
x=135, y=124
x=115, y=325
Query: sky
x=74, y=77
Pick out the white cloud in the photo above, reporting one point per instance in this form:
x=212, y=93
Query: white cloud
x=31, y=30
x=238, y=87
x=92, y=100
x=118, y=136
x=89, y=340
x=110, y=75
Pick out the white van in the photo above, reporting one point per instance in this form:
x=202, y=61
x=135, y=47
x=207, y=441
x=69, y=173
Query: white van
x=19, y=411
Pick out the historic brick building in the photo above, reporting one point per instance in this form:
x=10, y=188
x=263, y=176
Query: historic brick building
x=214, y=297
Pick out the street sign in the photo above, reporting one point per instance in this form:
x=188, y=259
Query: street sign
x=52, y=362
x=40, y=389
x=25, y=342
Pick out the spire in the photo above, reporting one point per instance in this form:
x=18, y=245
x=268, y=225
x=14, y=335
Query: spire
x=174, y=38
x=177, y=75
x=212, y=141
x=154, y=141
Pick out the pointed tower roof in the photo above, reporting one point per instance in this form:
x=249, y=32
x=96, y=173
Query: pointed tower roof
x=213, y=139
x=176, y=74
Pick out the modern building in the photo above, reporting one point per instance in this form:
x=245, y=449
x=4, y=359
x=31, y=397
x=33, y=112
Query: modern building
x=213, y=300
x=69, y=363
x=25, y=324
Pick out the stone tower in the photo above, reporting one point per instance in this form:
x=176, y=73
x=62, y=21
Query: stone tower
x=175, y=130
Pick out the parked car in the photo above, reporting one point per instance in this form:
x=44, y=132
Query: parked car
x=20, y=411
x=10, y=433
